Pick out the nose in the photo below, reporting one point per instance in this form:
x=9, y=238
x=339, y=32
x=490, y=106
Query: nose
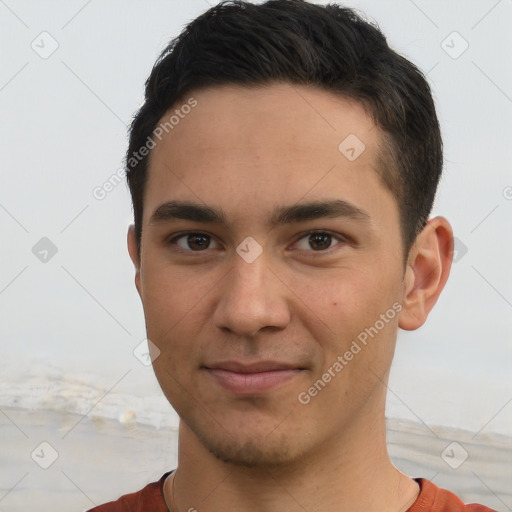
x=251, y=297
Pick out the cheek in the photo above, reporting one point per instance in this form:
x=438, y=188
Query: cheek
x=177, y=334
x=171, y=293
x=352, y=306
x=176, y=312
x=344, y=300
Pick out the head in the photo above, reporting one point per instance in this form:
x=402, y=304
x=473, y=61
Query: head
x=262, y=123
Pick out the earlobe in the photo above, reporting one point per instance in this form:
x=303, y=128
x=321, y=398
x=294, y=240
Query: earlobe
x=133, y=250
x=427, y=271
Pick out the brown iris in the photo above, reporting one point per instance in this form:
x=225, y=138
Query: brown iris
x=320, y=240
x=198, y=242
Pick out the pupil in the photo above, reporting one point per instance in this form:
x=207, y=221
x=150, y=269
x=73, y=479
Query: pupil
x=323, y=238
x=196, y=239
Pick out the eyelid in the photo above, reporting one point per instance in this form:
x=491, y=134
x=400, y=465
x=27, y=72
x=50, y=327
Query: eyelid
x=342, y=239
x=172, y=240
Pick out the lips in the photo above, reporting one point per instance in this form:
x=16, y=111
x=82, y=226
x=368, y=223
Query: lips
x=252, y=378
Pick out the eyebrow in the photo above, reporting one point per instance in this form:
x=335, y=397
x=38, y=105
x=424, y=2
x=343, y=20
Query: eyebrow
x=301, y=212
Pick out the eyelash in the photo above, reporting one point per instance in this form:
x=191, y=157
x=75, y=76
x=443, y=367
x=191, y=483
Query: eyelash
x=343, y=240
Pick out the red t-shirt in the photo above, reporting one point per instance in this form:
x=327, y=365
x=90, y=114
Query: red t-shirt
x=430, y=499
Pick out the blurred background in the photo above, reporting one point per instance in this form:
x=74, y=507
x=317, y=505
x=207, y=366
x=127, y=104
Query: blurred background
x=82, y=418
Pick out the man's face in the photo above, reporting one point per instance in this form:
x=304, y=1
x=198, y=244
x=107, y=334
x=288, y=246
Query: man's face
x=243, y=335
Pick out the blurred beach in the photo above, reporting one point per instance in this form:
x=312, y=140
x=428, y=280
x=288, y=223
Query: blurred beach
x=71, y=440
x=58, y=461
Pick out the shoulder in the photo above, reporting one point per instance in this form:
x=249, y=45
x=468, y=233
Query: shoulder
x=435, y=499
x=149, y=498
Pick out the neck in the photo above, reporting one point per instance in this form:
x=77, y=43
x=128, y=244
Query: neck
x=352, y=472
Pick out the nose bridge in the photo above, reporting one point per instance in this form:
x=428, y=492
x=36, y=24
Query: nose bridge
x=248, y=284
x=250, y=298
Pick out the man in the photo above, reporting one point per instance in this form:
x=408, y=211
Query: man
x=282, y=170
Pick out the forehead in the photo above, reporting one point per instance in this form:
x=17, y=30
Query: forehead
x=277, y=115
x=266, y=145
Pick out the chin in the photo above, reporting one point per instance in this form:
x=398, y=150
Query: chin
x=250, y=455
x=250, y=450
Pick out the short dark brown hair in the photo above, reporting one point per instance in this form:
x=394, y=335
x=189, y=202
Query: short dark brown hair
x=331, y=47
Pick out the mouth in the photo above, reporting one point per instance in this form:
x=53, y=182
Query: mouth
x=252, y=379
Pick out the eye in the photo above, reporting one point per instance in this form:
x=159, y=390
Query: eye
x=193, y=241
x=318, y=241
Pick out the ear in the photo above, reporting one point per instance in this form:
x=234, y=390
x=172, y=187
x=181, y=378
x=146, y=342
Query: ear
x=134, y=255
x=428, y=268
